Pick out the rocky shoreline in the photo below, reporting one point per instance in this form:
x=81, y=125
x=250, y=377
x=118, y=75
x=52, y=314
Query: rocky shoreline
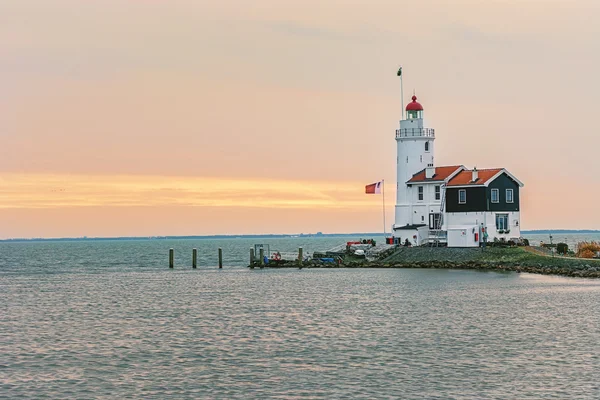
x=500, y=260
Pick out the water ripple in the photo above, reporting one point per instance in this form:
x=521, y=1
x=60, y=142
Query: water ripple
x=130, y=332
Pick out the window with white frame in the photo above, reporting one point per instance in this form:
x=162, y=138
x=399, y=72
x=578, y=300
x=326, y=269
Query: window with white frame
x=438, y=192
x=462, y=196
x=495, y=196
x=509, y=196
x=502, y=222
x=420, y=189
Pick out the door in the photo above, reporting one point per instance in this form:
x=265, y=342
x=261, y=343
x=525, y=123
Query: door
x=434, y=221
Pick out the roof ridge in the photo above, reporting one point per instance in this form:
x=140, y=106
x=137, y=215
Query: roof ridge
x=441, y=173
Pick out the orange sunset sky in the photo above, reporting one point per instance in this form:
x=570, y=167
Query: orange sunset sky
x=181, y=117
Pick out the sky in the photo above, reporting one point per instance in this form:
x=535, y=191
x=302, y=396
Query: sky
x=144, y=118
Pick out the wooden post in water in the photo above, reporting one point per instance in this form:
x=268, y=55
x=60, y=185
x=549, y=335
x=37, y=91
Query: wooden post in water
x=300, y=257
x=171, y=258
x=194, y=257
x=220, y=257
x=251, y=258
x=262, y=258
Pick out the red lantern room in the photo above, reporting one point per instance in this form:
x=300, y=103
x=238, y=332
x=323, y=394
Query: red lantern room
x=414, y=109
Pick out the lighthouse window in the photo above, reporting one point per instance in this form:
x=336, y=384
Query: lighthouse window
x=462, y=196
x=437, y=192
x=420, y=192
x=426, y=146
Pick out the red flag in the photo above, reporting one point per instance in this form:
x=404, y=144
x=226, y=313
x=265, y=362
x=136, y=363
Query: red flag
x=373, y=188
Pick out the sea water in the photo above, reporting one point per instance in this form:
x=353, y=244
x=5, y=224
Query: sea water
x=108, y=319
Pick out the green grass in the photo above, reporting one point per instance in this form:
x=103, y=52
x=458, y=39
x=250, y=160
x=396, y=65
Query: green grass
x=508, y=256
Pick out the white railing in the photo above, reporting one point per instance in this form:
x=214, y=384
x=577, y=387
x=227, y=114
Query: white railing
x=415, y=132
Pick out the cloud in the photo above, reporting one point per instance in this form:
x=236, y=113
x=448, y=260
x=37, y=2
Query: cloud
x=34, y=191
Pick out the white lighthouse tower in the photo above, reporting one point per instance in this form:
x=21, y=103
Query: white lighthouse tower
x=415, y=154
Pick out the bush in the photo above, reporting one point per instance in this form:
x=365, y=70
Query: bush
x=562, y=248
x=525, y=242
x=586, y=254
x=587, y=249
x=502, y=242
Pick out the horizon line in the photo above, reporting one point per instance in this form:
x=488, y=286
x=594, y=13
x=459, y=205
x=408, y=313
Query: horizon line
x=259, y=235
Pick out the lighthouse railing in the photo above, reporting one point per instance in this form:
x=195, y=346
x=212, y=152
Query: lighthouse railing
x=415, y=132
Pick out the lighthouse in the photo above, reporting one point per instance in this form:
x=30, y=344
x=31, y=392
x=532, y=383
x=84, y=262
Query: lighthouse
x=449, y=205
x=415, y=144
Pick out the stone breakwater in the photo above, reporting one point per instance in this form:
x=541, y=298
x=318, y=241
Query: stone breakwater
x=501, y=260
x=582, y=271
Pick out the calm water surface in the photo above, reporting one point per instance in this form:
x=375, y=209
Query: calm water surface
x=108, y=320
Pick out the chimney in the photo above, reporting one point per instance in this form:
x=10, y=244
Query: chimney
x=475, y=174
x=429, y=171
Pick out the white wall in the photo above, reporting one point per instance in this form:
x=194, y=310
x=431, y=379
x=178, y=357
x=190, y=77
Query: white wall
x=463, y=236
x=412, y=158
x=489, y=220
x=416, y=237
x=416, y=211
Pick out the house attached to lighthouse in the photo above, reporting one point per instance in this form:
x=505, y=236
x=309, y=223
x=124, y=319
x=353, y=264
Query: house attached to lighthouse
x=449, y=204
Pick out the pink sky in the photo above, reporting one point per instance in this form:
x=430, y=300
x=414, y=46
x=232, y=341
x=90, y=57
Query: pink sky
x=123, y=117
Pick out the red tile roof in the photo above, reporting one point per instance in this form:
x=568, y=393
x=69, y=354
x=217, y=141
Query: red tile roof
x=465, y=177
x=441, y=173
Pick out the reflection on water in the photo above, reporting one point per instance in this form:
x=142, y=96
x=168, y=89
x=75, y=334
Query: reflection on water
x=82, y=325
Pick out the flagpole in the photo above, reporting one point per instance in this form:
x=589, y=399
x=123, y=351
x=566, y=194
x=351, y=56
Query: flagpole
x=402, y=92
x=383, y=196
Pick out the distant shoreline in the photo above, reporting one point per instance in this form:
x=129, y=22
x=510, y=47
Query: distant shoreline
x=270, y=236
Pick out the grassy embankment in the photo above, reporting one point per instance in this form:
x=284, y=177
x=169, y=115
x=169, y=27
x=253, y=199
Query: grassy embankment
x=517, y=259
